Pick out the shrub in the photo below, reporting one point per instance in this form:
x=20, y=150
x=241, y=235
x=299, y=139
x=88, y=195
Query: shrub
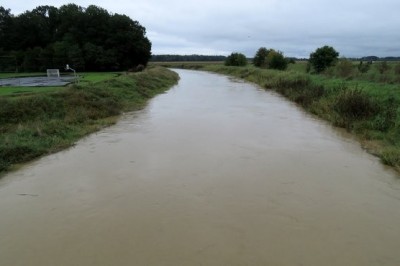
x=276, y=60
x=355, y=104
x=323, y=58
x=397, y=69
x=391, y=156
x=364, y=67
x=387, y=115
x=236, y=59
x=383, y=67
x=260, y=59
x=344, y=68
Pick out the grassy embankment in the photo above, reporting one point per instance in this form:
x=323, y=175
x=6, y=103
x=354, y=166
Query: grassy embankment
x=35, y=124
x=360, y=103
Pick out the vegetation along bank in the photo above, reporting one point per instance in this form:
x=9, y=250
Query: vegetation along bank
x=367, y=108
x=32, y=125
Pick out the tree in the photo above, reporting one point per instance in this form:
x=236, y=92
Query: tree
x=30, y=62
x=5, y=28
x=323, y=58
x=260, y=59
x=276, y=60
x=269, y=58
x=236, y=59
x=75, y=57
x=89, y=38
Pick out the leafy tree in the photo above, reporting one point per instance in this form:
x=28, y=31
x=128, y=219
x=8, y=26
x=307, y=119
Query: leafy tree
x=323, y=58
x=236, y=59
x=269, y=58
x=60, y=55
x=88, y=38
x=260, y=59
x=276, y=60
x=75, y=57
x=30, y=62
x=5, y=28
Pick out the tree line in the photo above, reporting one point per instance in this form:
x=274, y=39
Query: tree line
x=264, y=58
x=187, y=58
x=90, y=39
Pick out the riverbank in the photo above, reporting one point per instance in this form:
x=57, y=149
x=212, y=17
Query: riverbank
x=367, y=109
x=43, y=123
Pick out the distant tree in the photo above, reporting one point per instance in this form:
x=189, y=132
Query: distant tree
x=276, y=60
x=236, y=59
x=260, y=58
x=323, y=58
x=370, y=58
x=184, y=58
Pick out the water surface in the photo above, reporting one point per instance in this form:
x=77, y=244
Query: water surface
x=214, y=172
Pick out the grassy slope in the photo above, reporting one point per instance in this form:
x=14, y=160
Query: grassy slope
x=368, y=109
x=36, y=124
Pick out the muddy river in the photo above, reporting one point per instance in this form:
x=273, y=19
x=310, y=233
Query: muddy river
x=213, y=172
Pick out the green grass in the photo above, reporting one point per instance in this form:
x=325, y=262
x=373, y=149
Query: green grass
x=14, y=91
x=32, y=125
x=84, y=77
x=97, y=76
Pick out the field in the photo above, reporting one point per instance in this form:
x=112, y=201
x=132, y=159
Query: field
x=86, y=77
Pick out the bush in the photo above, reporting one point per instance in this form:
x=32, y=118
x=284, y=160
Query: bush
x=236, y=59
x=383, y=67
x=323, y=58
x=391, y=156
x=397, y=69
x=276, y=60
x=270, y=58
x=364, y=67
x=344, y=68
x=355, y=104
x=260, y=59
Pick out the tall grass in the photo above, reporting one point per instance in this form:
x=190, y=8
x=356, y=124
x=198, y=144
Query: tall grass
x=38, y=124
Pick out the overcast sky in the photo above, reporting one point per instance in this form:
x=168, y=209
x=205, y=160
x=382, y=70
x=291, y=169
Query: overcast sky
x=295, y=27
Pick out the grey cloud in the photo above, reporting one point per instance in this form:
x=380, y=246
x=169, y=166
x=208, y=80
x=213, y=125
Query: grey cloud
x=296, y=27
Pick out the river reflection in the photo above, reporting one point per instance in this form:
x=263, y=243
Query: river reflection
x=213, y=172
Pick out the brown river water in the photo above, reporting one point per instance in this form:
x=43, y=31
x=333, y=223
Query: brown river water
x=213, y=172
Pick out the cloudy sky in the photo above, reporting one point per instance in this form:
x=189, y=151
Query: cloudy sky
x=295, y=27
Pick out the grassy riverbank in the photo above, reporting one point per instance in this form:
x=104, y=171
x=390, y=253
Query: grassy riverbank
x=36, y=124
x=370, y=110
